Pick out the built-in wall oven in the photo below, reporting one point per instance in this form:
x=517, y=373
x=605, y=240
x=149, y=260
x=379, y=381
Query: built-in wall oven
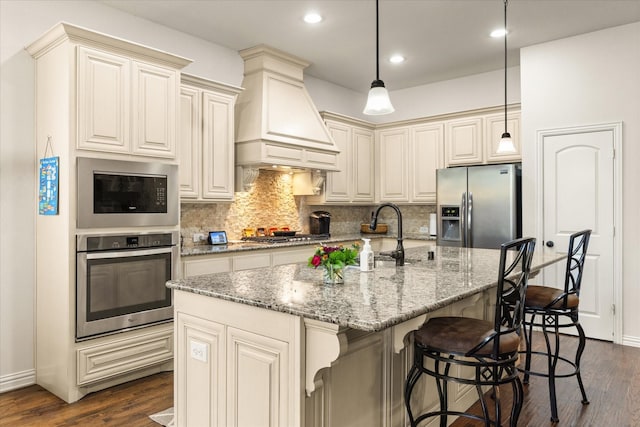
x=120, y=281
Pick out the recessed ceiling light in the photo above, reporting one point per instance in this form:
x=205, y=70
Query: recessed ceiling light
x=500, y=32
x=396, y=59
x=312, y=18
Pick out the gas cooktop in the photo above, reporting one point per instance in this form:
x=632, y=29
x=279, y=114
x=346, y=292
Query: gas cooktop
x=286, y=239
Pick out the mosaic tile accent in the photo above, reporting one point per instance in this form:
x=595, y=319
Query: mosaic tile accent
x=271, y=203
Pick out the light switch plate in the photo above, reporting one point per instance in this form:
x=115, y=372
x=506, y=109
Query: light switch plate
x=198, y=350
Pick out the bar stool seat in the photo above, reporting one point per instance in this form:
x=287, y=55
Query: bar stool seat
x=461, y=335
x=489, y=349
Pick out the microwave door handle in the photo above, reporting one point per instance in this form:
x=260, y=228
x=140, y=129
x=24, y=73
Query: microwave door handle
x=127, y=253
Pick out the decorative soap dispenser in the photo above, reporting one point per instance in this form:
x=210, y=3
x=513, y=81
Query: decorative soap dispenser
x=366, y=256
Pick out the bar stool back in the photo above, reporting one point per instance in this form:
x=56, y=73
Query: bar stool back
x=490, y=347
x=550, y=308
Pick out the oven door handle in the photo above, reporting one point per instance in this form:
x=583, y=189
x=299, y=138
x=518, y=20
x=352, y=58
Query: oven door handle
x=127, y=253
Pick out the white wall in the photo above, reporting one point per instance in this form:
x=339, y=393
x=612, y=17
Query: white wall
x=584, y=80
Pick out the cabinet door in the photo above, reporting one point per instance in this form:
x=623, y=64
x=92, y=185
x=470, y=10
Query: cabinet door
x=494, y=128
x=337, y=183
x=427, y=146
x=393, y=160
x=154, y=105
x=217, y=146
x=464, y=141
x=190, y=142
x=256, y=362
x=103, y=101
x=363, y=177
x=200, y=397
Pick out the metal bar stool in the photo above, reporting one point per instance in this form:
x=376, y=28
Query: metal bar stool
x=557, y=308
x=490, y=347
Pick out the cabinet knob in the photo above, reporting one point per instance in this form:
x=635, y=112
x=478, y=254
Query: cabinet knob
x=549, y=243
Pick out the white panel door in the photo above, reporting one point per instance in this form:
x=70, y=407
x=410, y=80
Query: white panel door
x=579, y=194
x=427, y=146
x=337, y=184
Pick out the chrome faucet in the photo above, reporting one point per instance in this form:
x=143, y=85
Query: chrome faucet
x=398, y=254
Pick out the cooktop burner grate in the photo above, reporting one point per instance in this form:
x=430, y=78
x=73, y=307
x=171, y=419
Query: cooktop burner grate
x=286, y=239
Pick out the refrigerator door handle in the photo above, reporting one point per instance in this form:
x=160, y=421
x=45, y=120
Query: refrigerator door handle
x=470, y=221
x=463, y=220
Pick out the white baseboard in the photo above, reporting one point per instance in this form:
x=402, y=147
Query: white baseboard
x=17, y=380
x=631, y=341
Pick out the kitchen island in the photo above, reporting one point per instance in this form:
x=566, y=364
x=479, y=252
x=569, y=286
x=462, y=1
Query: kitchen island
x=277, y=347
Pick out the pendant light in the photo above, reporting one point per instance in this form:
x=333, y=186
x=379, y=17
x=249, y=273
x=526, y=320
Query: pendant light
x=378, y=102
x=506, y=143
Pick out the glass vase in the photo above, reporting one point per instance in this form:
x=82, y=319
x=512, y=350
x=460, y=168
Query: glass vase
x=333, y=275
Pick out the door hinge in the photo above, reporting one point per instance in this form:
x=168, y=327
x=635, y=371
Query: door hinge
x=613, y=309
x=613, y=153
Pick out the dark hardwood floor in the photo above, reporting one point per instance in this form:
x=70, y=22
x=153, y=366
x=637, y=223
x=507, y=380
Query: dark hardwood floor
x=611, y=375
x=127, y=405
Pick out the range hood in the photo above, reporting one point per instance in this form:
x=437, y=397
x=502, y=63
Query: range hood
x=277, y=124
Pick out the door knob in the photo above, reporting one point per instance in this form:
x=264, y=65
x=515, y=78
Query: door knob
x=549, y=243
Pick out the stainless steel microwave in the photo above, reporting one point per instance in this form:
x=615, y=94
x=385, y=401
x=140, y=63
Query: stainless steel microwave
x=118, y=193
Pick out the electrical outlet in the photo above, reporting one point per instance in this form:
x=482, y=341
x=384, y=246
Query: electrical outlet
x=198, y=237
x=424, y=230
x=198, y=351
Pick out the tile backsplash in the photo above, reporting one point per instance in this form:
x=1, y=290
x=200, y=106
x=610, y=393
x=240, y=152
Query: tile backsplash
x=271, y=203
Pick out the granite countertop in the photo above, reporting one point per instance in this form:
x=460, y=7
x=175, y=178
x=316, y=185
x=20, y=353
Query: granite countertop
x=369, y=301
x=239, y=245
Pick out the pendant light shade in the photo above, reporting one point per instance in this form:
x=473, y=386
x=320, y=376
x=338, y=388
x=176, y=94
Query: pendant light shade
x=505, y=145
x=378, y=102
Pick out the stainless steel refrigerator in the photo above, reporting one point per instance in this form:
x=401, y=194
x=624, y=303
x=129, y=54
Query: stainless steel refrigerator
x=479, y=206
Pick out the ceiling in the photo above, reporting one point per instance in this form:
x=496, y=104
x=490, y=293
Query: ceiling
x=441, y=39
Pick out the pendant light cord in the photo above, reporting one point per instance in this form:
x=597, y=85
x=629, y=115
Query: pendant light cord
x=505, y=66
x=378, y=45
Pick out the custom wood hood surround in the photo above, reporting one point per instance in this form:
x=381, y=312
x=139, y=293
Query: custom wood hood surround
x=276, y=120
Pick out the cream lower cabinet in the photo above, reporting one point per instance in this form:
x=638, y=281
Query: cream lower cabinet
x=206, y=140
x=354, y=183
x=235, y=370
x=408, y=157
x=245, y=260
x=240, y=365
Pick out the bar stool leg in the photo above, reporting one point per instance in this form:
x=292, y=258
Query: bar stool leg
x=552, y=362
x=528, y=337
x=581, y=346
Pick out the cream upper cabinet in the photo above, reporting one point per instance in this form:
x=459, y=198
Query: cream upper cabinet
x=393, y=165
x=408, y=158
x=473, y=140
x=104, y=110
x=206, y=140
x=354, y=183
x=426, y=156
x=464, y=141
x=126, y=105
x=493, y=130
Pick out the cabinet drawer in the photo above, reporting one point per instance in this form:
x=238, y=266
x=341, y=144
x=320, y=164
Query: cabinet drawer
x=248, y=262
x=105, y=360
x=292, y=256
x=207, y=266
